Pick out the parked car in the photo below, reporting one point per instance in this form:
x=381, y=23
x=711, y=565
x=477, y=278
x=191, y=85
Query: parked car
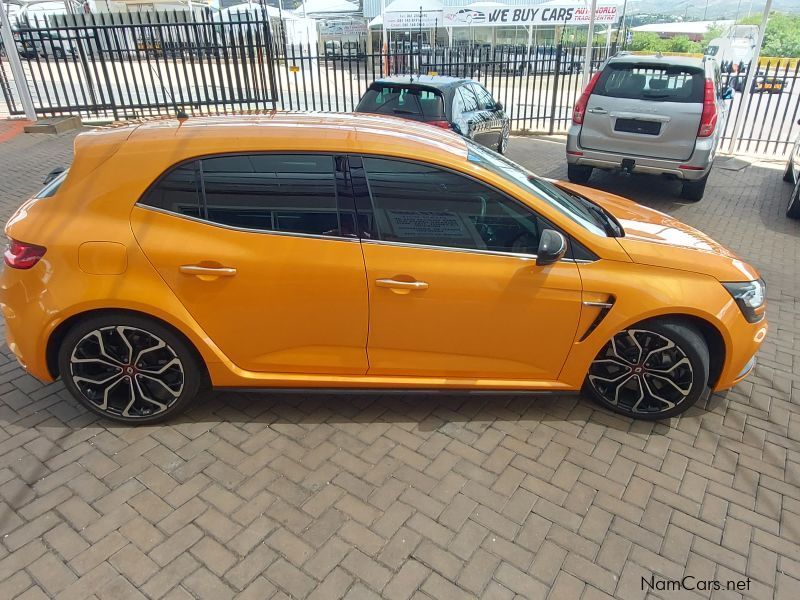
x=358, y=251
x=768, y=83
x=463, y=105
x=656, y=114
x=33, y=43
x=792, y=175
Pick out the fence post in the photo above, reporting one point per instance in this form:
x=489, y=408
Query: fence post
x=16, y=65
x=556, y=78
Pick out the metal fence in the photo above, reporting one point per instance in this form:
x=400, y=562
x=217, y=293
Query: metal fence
x=118, y=66
x=537, y=85
x=127, y=65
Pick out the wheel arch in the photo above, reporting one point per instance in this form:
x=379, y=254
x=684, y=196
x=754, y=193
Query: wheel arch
x=56, y=338
x=711, y=335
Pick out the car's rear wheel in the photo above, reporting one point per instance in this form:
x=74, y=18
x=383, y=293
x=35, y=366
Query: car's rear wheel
x=129, y=368
x=694, y=190
x=793, y=209
x=578, y=173
x=654, y=370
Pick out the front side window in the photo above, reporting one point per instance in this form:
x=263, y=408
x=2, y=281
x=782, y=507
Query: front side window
x=421, y=204
x=468, y=99
x=485, y=100
x=266, y=192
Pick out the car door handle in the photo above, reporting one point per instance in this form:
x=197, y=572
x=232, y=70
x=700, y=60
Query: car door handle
x=598, y=111
x=401, y=285
x=207, y=271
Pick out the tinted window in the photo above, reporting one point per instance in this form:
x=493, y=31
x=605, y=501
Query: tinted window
x=421, y=204
x=423, y=105
x=177, y=191
x=468, y=100
x=651, y=82
x=485, y=100
x=293, y=193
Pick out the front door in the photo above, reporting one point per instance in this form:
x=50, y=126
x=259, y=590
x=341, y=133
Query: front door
x=453, y=283
x=255, y=248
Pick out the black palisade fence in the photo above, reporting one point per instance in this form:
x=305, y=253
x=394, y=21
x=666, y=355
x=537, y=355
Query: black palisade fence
x=131, y=65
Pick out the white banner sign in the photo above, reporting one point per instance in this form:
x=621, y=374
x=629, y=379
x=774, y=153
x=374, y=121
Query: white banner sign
x=346, y=28
x=499, y=16
x=425, y=19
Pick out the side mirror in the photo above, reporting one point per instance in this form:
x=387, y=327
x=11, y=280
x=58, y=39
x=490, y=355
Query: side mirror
x=727, y=94
x=498, y=106
x=552, y=247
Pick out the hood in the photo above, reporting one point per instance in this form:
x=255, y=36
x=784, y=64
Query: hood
x=654, y=238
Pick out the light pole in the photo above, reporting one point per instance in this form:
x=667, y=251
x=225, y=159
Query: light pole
x=16, y=65
x=587, y=60
x=747, y=93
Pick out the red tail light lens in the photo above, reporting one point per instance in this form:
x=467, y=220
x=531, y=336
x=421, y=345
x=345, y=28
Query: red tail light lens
x=580, y=106
x=19, y=255
x=708, y=121
x=442, y=124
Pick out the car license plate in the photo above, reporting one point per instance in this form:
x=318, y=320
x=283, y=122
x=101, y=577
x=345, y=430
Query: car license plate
x=638, y=126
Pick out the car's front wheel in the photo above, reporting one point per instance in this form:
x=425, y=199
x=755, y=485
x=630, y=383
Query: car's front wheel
x=502, y=146
x=654, y=370
x=788, y=175
x=129, y=368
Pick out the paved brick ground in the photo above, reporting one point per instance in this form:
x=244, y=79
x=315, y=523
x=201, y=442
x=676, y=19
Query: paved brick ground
x=275, y=495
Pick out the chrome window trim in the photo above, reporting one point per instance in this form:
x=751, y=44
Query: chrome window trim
x=520, y=255
x=245, y=229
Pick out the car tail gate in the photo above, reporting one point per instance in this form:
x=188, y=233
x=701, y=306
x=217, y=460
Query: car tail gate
x=645, y=110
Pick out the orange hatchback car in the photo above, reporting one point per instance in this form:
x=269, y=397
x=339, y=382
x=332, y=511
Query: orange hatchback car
x=342, y=251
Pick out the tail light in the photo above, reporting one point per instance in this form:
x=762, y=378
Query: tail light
x=708, y=120
x=442, y=124
x=580, y=106
x=19, y=255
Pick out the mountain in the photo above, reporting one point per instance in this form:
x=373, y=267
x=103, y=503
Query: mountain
x=717, y=9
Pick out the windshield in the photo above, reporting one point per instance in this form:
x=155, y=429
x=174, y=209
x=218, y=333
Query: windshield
x=579, y=210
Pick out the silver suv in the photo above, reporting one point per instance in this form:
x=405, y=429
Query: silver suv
x=650, y=114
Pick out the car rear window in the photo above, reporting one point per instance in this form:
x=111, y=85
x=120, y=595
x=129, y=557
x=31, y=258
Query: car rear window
x=403, y=101
x=660, y=83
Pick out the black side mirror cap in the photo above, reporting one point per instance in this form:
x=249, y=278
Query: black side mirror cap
x=498, y=106
x=552, y=247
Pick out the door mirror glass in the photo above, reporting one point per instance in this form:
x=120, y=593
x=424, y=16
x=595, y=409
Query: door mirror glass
x=552, y=247
x=727, y=93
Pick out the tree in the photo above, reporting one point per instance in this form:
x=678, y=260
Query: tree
x=782, y=37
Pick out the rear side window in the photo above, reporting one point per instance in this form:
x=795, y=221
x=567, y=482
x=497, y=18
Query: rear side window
x=424, y=105
x=660, y=83
x=266, y=192
x=295, y=193
x=177, y=191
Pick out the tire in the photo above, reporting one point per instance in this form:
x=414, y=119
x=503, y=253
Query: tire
x=578, y=173
x=502, y=147
x=793, y=208
x=788, y=176
x=642, y=391
x=94, y=350
x=694, y=190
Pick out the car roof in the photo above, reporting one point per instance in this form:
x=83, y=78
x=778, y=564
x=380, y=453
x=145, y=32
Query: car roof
x=276, y=131
x=423, y=81
x=677, y=61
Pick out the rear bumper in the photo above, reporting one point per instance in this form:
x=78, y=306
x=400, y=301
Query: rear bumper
x=699, y=164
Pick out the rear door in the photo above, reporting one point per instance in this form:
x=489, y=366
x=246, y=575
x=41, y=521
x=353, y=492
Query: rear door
x=647, y=110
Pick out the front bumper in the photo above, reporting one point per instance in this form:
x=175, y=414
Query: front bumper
x=746, y=340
